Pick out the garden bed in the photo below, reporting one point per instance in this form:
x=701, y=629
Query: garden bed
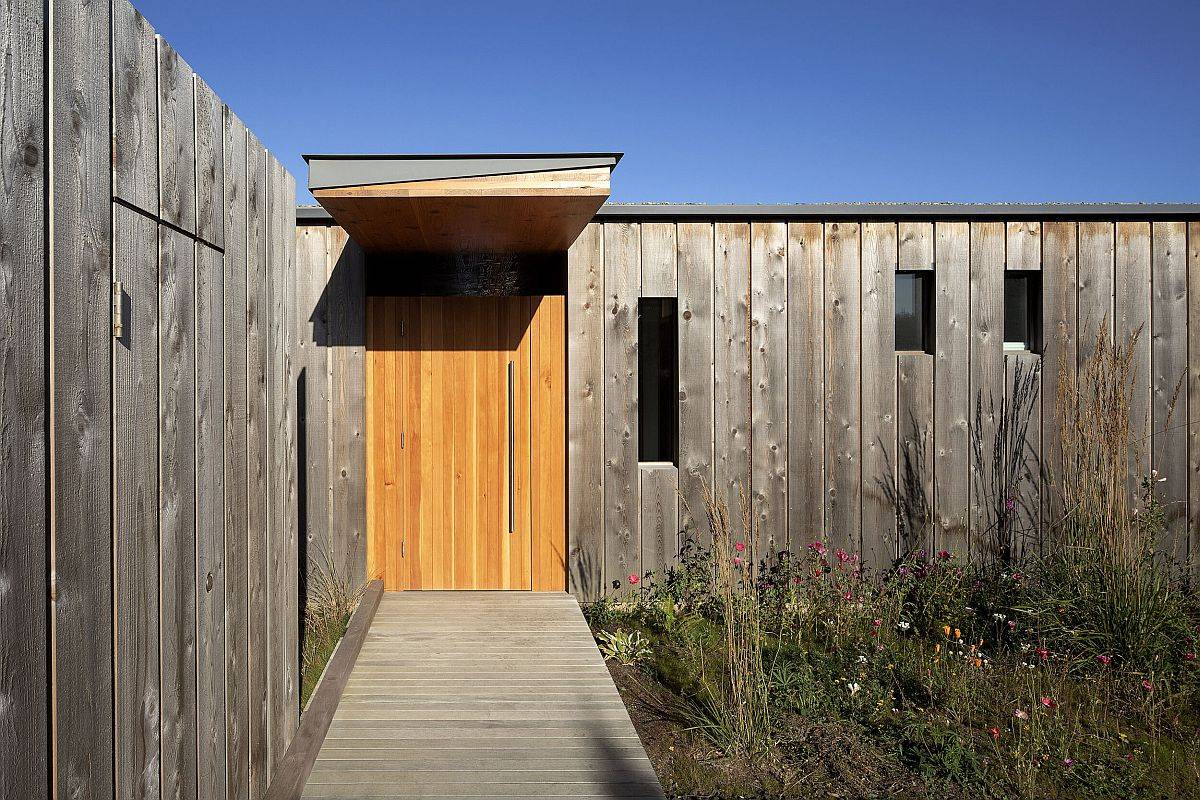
x=863, y=706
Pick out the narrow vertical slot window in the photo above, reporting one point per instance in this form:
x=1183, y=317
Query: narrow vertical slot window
x=914, y=311
x=658, y=380
x=1022, y=311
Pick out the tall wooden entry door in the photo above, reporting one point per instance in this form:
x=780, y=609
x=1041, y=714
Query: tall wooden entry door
x=466, y=452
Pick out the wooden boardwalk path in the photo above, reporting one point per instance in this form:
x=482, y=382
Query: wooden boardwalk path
x=481, y=694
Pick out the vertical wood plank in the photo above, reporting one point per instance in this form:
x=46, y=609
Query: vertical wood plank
x=1168, y=354
x=951, y=407
x=769, y=373
x=210, y=523
x=81, y=267
x=321, y=554
x=347, y=331
x=287, y=223
x=806, y=382
x=731, y=384
x=915, y=249
x=257, y=463
x=24, y=363
x=659, y=278
x=135, y=108
x=236, y=419
x=135, y=458
x=1060, y=293
x=622, y=251
x=843, y=383
x=659, y=509
x=987, y=382
x=177, y=510
x=1193, y=397
x=879, y=264
x=1024, y=252
x=1024, y=245
x=585, y=414
x=695, y=308
x=1095, y=310
x=1132, y=319
x=1026, y=514
x=548, y=430
x=176, y=139
x=914, y=451
x=210, y=165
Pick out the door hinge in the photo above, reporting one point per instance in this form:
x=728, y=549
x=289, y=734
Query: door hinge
x=118, y=321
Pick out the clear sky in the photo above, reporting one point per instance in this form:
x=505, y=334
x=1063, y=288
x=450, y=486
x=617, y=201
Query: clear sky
x=732, y=102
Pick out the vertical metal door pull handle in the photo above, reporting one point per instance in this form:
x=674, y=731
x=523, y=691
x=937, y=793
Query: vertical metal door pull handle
x=511, y=442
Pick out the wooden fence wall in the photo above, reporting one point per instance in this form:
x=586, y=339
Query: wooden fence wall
x=148, y=477
x=790, y=385
x=331, y=302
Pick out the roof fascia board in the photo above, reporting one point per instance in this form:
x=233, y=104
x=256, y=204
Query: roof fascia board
x=822, y=211
x=336, y=172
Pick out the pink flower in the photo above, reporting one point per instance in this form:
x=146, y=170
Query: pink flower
x=1189, y=656
x=1010, y=504
x=847, y=596
x=740, y=547
x=796, y=580
x=1068, y=762
x=818, y=548
x=1012, y=625
x=842, y=555
x=737, y=561
x=944, y=555
x=995, y=733
x=1043, y=653
x=1017, y=577
x=1019, y=714
x=1048, y=702
x=633, y=579
x=1104, y=660
x=1148, y=686
x=875, y=623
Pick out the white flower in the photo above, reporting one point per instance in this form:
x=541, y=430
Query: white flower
x=998, y=616
x=854, y=688
x=862, y=659
x=903, y=626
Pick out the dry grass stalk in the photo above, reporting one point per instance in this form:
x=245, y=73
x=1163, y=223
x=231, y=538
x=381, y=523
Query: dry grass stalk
x=740, y=703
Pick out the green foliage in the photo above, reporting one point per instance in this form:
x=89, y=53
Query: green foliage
x=332, y=598
x=627, y=648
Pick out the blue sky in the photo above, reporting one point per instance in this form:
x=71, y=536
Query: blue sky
x=732, y=102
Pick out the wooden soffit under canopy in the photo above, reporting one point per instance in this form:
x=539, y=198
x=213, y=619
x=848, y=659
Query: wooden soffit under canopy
x=462, y=203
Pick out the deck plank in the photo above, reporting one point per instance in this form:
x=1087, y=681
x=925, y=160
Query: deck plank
x=482, y=694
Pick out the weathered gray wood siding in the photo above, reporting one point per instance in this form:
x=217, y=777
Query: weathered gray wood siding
x=129, y=626
x=790, y=388
x=331, y=331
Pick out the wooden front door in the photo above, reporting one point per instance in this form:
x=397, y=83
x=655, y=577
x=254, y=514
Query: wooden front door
x=466, y=456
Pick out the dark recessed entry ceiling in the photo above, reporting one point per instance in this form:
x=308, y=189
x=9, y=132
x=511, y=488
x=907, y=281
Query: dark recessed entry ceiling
x=471, y=203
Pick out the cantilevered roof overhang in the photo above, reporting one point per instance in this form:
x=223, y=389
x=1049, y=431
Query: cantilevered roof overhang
x=512, y=203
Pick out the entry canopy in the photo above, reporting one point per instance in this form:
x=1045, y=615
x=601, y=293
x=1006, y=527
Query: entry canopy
x=518, y=203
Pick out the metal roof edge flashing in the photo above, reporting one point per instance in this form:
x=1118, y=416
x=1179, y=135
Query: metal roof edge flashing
x=340, y=171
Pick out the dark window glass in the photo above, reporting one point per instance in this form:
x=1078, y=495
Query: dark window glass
x=914, y=311
x=658, y=379
x=1022, y=311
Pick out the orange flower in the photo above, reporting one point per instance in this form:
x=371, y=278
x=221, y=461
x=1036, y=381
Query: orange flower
x=946, y=629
